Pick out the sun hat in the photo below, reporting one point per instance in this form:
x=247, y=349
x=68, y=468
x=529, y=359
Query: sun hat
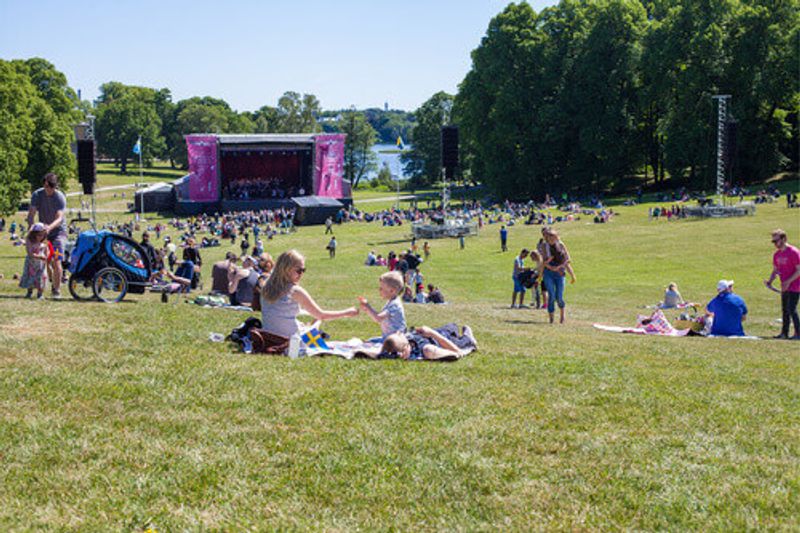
x=724, y=285
x=37, y=227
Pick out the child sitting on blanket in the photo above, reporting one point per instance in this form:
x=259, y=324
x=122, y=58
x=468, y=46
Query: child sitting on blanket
x=392, y=317
x=671, y=297
x=429, y=344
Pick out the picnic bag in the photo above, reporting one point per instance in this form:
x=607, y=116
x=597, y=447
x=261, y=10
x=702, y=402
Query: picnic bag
x=268, y=343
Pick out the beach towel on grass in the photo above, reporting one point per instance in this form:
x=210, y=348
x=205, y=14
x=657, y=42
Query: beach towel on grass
x=358, y=349
x=655, y=324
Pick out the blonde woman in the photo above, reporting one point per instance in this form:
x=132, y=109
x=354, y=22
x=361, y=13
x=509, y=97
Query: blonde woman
x=283, y=297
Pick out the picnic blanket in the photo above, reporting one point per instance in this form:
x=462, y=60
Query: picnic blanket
x=356, y=348
x=655, y=324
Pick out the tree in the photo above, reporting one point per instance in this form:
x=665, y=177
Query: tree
x=423, y=162
x=16, y=134
x=297, y=114
x=54, y=113
x=123, y=119
x=359, y=159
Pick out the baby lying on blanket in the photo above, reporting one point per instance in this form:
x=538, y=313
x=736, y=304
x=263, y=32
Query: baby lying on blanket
x=430, y=344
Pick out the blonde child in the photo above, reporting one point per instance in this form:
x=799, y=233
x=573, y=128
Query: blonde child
x=671, y=297
x=392, y=317
x=34, y=272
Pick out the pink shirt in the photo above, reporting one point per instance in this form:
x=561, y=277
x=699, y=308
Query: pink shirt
x=786, y=262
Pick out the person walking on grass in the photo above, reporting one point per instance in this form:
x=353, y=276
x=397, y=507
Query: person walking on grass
x=556, y=266
x=503, y=239
x=51, y=204
x=786, y=265
x=332, y=247
x=34, y=272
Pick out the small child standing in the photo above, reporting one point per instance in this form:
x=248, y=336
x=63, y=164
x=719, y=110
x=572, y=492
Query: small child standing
x=34, y=272
x=392, y=317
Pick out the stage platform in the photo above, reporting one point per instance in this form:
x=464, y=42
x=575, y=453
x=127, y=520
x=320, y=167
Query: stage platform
x=258, y=204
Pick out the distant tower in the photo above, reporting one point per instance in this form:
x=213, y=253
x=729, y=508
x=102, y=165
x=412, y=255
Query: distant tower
x=386, y=106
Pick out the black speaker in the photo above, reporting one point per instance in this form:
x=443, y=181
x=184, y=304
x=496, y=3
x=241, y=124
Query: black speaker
x=86, y=166
x=449, y=146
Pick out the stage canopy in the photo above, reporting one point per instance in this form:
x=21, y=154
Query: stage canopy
x=315, y=209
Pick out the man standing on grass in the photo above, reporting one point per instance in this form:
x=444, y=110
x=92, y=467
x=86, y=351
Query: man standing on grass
x=51, y=204
x=786, y=264
x=503, y=239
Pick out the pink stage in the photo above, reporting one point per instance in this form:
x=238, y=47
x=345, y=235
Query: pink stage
x=265, y=167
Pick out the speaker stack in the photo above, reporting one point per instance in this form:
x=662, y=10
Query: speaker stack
x=86, y=165
x=449, y=150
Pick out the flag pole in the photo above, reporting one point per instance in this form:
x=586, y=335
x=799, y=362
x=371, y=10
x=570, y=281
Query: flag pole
x=141, y=177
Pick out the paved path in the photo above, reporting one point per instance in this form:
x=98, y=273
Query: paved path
x=109, y=188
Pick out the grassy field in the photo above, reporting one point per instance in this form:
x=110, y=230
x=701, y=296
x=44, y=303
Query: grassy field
x=120, y=417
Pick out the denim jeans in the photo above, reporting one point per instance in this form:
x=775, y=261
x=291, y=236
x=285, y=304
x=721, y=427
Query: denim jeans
x=554, y=282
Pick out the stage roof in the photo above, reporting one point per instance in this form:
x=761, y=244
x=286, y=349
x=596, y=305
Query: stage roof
x=287, y=138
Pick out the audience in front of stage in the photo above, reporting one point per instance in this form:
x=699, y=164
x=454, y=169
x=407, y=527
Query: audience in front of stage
x=261, y=188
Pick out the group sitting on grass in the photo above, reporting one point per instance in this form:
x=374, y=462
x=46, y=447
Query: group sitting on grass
x=282, y=298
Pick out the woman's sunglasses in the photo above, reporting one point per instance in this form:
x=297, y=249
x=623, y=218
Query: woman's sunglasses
x=301, y=270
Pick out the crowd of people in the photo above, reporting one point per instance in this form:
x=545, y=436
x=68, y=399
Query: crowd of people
x=262, y=188
x=243, y=280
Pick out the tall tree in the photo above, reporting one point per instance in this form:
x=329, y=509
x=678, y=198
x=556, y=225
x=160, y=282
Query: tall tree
x=359, y=159
x=124, y=117
x=423, y=162
x=16, y=133
x=54, y=113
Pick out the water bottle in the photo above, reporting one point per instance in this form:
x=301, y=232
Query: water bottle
x=294, y=346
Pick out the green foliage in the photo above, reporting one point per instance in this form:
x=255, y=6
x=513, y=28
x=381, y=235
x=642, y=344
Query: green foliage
x=37, y=111
x=359, y=159
x=583, y=94
x=423, y=162
x=16, y=134
x=124, y=114
x=202, y=115
x=389, y=125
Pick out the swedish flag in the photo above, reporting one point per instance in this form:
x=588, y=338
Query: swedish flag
x=313, y=339
x=400, y=142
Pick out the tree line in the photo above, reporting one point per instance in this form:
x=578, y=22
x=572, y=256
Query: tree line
x=38, y=110
x=585, y=94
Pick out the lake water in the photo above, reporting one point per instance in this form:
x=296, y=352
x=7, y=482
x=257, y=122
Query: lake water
x=391, y=160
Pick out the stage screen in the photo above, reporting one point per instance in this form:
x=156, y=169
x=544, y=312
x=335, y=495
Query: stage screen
x=203, y=185
x=329, y=165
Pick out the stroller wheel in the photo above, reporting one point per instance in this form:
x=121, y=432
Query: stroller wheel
x=110, y=285
x=81, y=289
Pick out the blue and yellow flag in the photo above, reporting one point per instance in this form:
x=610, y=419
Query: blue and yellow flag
x=400, y=143
x=137, y=148
x=313, y=339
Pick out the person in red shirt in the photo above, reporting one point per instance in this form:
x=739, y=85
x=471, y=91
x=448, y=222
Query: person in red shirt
x=786, y=264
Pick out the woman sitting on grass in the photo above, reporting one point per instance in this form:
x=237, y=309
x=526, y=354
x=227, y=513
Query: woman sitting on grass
x=283, y=297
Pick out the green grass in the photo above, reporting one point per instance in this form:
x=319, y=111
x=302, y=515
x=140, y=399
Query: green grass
x=123, y=416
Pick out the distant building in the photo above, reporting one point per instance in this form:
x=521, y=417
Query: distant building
x=386, y=106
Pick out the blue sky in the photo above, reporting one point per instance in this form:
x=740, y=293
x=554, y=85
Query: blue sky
x=350, y=52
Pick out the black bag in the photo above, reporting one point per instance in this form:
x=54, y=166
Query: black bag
x=241, y=331
x=528, y=278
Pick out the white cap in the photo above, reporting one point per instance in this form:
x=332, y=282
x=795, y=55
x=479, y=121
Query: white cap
x=724, y=285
